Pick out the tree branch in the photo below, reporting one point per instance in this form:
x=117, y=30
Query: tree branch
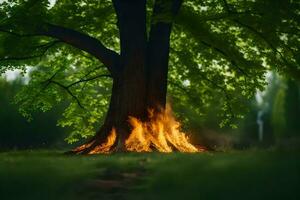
x=227, y=8
x=76, y=39
x=67, y=88
x=223, y=89
x=68, y=91
x=209, y=39
x=234, y=64
x=291, y=69
x=46, y=47
x=88, y=79
x=234, y=15
x=84, y=42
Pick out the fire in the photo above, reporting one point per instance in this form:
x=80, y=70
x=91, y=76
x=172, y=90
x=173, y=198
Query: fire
x=106, y=147
x=162, y=132
x=103, y=148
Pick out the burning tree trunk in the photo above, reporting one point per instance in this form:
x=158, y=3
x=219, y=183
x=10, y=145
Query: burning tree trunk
x=137, y=119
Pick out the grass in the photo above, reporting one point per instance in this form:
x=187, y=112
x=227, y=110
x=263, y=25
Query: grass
x=50, y=175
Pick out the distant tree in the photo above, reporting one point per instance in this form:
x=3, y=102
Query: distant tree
x=210, y=51
x=280, y=108
x=16, y=132
x=286, y=109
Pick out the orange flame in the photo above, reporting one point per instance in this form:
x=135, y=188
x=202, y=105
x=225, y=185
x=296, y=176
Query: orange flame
x=161, y=132
x=103, y=148
x=106, y=147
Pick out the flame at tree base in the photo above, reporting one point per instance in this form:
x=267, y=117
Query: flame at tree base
x=160, y=133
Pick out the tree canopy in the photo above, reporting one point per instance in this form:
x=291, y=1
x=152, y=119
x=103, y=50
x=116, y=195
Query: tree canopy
x=220, y=53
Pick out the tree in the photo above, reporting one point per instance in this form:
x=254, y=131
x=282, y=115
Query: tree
x=223, y=46
x=16, y=132
x=286, y=108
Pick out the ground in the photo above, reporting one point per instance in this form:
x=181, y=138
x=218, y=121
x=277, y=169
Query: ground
x=50, y=175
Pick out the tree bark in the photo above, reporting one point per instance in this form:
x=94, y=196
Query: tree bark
x=129, y=85
x=141, y=80
x=158, y=52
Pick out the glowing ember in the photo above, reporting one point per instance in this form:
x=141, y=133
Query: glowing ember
x=161, y=133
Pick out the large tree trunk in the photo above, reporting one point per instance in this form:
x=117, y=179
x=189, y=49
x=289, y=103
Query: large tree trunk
x=141, y=81
x=129, y=84
x=158, y=52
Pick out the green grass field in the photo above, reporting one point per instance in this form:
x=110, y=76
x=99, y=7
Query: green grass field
x=45, y=175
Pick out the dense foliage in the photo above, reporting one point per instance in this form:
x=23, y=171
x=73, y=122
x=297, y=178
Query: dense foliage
x=220, y=53
x=16, y=132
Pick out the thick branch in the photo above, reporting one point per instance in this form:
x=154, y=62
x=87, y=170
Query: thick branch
x=84, y=42
x=79, y=40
